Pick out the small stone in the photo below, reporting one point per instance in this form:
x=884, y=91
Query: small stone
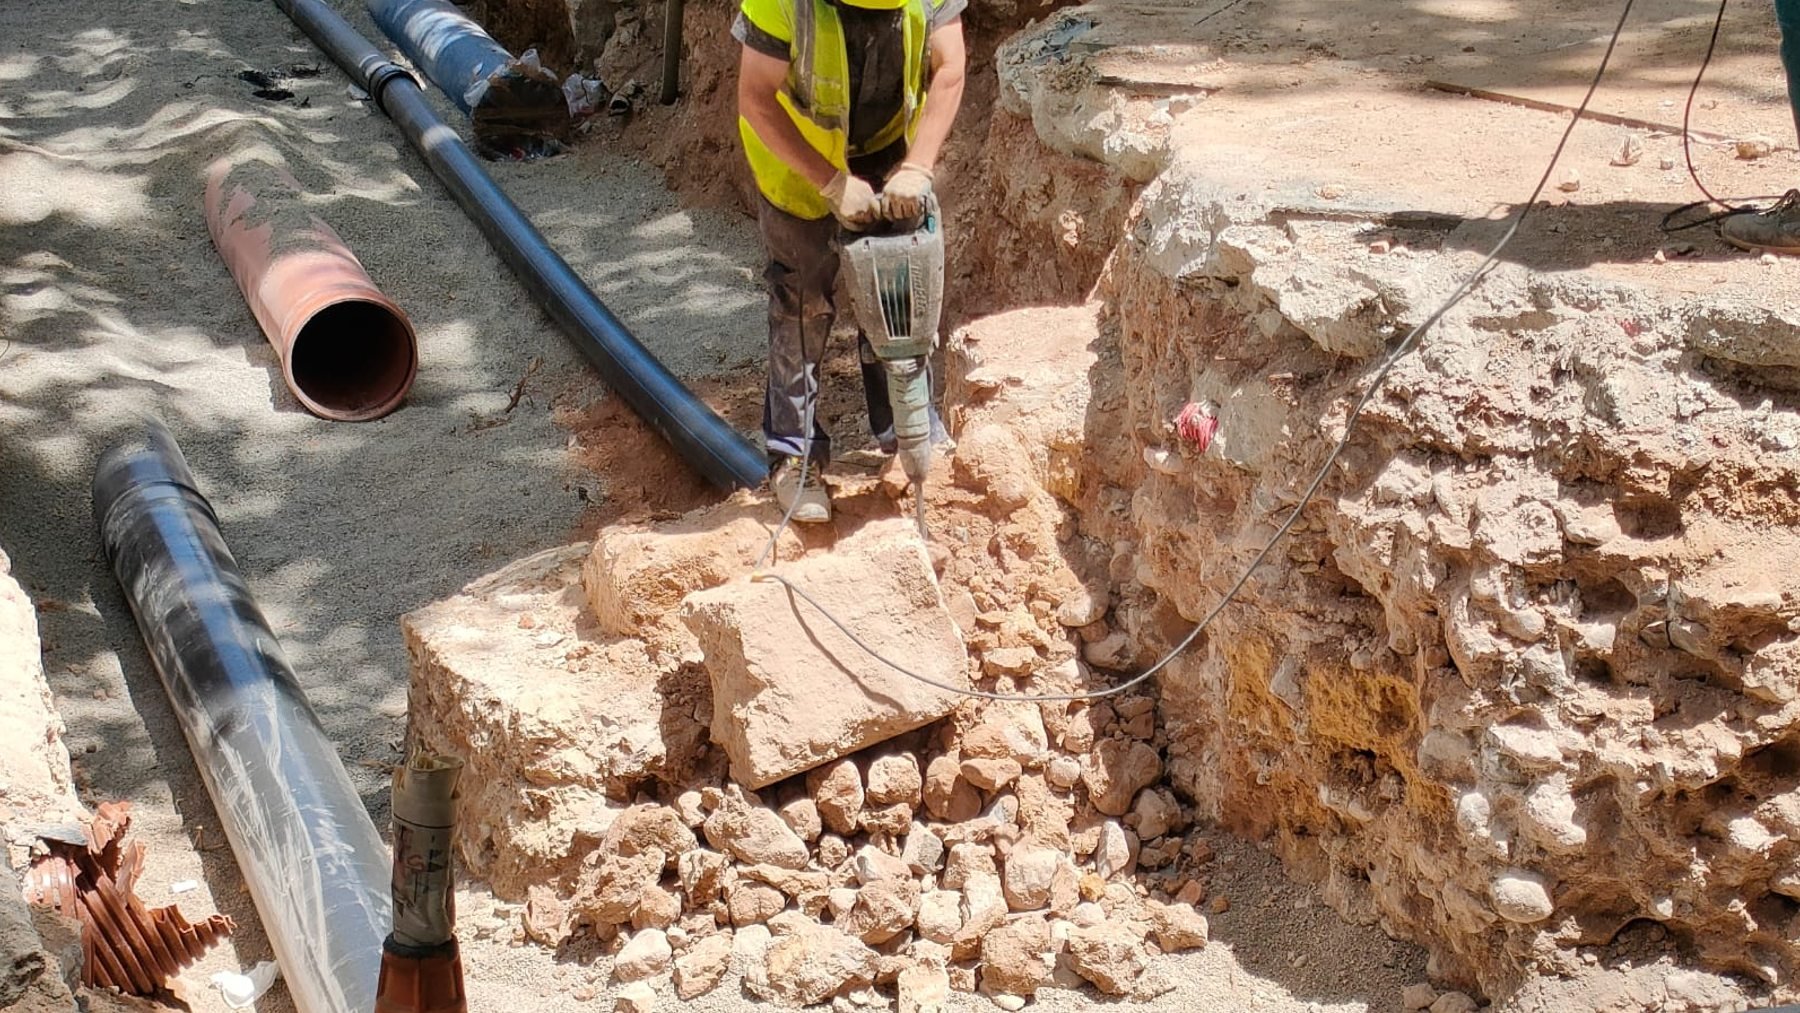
x=1752, y=148
x=833, y=851
x=1221, y=904
x=891, y=820
x=810, y=965
x=1191, y=893
x=924, y=988
x=1157, y=813
x=753, y=834
x=647, y=954
x=1118, y=851
x=656, y=909
x=1028, y=876
x=837, y=791
x=1116, y=771
x=702, y=967
x=1016, y=958
x=874, y=865
x=1063, y=772
x=689, y=807
x=1016, y=662
x=754, y=903
x=1454, y=1002
x=841, y=901
x=1088, y=914
x=1084, y=607
x=1419, y=996
x=923, y=851
x=1569, y=181
x=1331, y=191
x=1010, y=1003
x=1666, y=164
x=802, y=817
x=969, y=861
x=883, y=910
x=894, y=780
x=1108, y=955
x=637, y=997
x=1092, y=886
x=1381, y=246
x=1177, y=927
x=1521, y=896
x=1630, y=152
x=990, y=774
x=1112, y=652
x=940, y=915
x=947, y=795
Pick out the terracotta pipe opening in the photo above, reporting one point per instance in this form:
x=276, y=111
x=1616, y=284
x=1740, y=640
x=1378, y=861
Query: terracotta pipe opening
x=353, y=360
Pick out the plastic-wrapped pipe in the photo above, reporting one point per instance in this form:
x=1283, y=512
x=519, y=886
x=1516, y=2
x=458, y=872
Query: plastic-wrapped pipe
x=510, y=102
x=317, y=869
x=347, y=351
x=704, y=439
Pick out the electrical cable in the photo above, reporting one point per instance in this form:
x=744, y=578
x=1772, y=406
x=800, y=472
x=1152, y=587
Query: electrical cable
x=1400, y=351
x=1687, y=151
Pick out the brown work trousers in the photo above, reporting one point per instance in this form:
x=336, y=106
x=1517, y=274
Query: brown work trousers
x=801, y=275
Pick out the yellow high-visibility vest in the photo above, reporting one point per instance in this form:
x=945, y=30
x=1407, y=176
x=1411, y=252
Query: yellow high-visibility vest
x=816, y=95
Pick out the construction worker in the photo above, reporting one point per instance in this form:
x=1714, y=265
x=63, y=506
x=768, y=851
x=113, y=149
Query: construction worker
x=1778, y=228
x=843, y=108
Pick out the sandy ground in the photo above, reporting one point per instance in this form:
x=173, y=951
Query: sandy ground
x=113, y=305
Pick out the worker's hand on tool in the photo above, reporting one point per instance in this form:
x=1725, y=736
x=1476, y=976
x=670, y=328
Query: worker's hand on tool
x=904, y=195
x=852, y=201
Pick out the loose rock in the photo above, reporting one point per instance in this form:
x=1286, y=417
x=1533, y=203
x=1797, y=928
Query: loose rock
x=702, y=967
x=1028, y=876
x=924, y=989
x=1177, y=927
x=637, y=997
x=646, y=955
x=947, y=795
x=837, y=792
x=1116, y=771
x=1108, y=955
x=810, y=965
x=895, y=780
x=754, y=835
x=1016, y=958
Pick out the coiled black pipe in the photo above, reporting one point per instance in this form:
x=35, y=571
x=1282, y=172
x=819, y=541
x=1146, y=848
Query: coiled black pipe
x=704, y=439
x=317, y=869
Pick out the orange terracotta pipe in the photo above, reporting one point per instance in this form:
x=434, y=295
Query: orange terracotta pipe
x=347, y=351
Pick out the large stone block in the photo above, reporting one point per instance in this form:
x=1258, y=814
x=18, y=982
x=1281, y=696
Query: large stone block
x=790, y=690
x=559, y=725
x=637, y=577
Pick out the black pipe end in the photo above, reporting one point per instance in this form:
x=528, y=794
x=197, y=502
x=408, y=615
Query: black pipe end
x=148, y=457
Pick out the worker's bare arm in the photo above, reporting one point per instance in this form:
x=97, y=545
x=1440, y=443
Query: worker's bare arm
x=943, y=98
x=759, y=79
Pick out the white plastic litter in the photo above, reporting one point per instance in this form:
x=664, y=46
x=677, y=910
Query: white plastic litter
x=242, y=990
x=185, y=886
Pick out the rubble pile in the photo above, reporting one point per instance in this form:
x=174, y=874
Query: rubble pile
x=699, y=771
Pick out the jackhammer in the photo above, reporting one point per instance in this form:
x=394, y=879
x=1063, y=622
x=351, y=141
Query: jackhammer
x=897, y=289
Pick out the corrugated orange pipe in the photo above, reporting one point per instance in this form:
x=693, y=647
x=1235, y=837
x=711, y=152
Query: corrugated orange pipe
x=347, y=351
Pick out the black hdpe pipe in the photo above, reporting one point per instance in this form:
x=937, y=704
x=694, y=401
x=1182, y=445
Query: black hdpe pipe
x=711, y=446
x=316, y=867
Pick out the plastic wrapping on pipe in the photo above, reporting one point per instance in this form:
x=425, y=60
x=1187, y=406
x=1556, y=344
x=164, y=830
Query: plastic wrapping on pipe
x=512, y=103
x=347, y=351
x=316, y=867
x=704, y=439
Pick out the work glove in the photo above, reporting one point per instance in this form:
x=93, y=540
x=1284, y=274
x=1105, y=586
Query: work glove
x=904, y=195
x=852, y=201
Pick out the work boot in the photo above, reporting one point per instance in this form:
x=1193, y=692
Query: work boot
x=809, y=503
x=1776, y=230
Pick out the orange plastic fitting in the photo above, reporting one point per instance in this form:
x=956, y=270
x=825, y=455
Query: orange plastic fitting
x=417, y=980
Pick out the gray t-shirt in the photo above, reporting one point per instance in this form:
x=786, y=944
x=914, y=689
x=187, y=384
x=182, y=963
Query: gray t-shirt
x=877, y=60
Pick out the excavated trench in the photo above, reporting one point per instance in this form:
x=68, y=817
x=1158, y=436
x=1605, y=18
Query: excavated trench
x=1519, y=687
